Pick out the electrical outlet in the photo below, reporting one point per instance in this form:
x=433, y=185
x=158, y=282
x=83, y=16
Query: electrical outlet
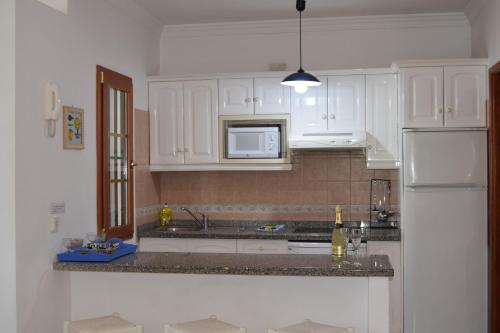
x=58, y=208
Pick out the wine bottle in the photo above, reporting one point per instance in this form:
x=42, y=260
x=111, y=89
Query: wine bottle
x=338, y=235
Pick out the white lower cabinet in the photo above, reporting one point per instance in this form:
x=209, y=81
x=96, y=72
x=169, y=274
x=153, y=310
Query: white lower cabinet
x=187, y=245
x=163, y=245
x=213, y=245
x=393, y=250
x=262, y=246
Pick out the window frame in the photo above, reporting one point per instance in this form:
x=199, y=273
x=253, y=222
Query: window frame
x=105, y=80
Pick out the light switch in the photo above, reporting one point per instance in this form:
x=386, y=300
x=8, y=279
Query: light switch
x=54, y=224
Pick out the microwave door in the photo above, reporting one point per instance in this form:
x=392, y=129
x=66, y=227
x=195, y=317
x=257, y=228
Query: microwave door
x=251, y=143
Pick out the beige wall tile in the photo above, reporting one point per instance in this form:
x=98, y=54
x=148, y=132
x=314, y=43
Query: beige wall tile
x=141, y=136
x=339, y=168
x=360, y=193
x=339, y=193
x=314, y=168
x=359, y=171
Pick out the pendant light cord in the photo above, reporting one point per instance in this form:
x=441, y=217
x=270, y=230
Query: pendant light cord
x=300, y=40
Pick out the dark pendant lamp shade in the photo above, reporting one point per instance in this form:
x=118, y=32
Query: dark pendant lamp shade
x=301, y=80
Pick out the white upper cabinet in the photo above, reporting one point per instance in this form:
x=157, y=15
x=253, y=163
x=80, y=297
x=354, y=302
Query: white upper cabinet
x=443, y=96
x=166, y=123
x=200, y=122
x=253, y=96
x=310, y=110
x=346, y=103
x=183, y=122
x=382, y=121
x=271, y=97
x=422, y=97
x=236, y=97
x=465, y=96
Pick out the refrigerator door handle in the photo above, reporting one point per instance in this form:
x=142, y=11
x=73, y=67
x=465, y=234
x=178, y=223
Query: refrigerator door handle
x=445, y=187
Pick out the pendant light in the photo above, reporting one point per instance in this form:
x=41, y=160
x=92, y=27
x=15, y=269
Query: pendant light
x=301, y=80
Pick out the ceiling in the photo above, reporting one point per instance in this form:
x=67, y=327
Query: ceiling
x=171, y=12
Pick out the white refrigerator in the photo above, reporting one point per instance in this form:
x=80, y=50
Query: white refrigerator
x=444, y=226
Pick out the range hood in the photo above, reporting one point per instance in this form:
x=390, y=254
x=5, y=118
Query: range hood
x=329, y=140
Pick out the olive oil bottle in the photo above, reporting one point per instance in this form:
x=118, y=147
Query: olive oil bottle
x=338, y=235
x=165, y=216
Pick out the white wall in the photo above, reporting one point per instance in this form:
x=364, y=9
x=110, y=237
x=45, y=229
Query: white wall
x=254, y=302
x=7, y=186
x=338, y=43
x=484, y=16
x=64, y=49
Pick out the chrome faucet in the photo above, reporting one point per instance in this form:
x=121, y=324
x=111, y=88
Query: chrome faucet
x=203, y=223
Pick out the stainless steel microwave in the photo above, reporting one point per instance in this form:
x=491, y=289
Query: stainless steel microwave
x=254, y=139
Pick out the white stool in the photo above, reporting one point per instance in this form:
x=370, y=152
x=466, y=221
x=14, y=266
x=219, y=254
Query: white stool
x=309, y=326
x=108, y=324
x=210, y=325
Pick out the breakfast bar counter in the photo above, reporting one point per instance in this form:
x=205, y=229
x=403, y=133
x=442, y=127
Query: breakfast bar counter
x=239, y=264
x=257, y=291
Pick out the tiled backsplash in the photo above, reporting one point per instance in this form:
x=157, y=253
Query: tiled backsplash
x=318, y=182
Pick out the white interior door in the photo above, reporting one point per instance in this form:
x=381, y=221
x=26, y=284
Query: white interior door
x=201, y=122
x=465, y=96
x=422, y=97
x=271, y=97
x=166, y=123
x=310, y=110
x=382, y=121
x=236, y=97
x=346, y=103
x=445, y=261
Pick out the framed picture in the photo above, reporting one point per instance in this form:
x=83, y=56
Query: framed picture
x=73, y=128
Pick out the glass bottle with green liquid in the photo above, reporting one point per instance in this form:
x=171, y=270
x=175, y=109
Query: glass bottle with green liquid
x=339, y=244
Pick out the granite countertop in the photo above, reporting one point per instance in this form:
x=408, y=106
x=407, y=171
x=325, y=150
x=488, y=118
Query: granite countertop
x=238, y=264
x=295, y=231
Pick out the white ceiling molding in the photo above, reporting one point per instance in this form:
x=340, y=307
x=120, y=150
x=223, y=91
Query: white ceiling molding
x=138, y=14
x=318, y=24
x=474, y=8
x=60, y=5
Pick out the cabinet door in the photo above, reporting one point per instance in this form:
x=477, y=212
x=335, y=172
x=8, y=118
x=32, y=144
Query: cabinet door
x=166, y=123
x=201, y=122
x=310, y=110
x=465, y=96
x=212, y=245
x=271, y=97
x=236, y=96
x=422, y=97
x=393, y=250
x=382, y=121
x=263, y=246
x=346, y=103
x=163, y=245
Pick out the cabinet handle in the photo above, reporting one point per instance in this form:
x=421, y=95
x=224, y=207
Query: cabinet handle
x=180, y=150
x=332, y=116
x=186, y=150
x=370, y=147
x=440, y=110
x=255, y=99
x=248, y=100
x=323, y=117
x=449, y=110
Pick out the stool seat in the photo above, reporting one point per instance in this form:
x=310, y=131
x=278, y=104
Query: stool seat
x=209, y=325
x=107, y=324
x=309, y=326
